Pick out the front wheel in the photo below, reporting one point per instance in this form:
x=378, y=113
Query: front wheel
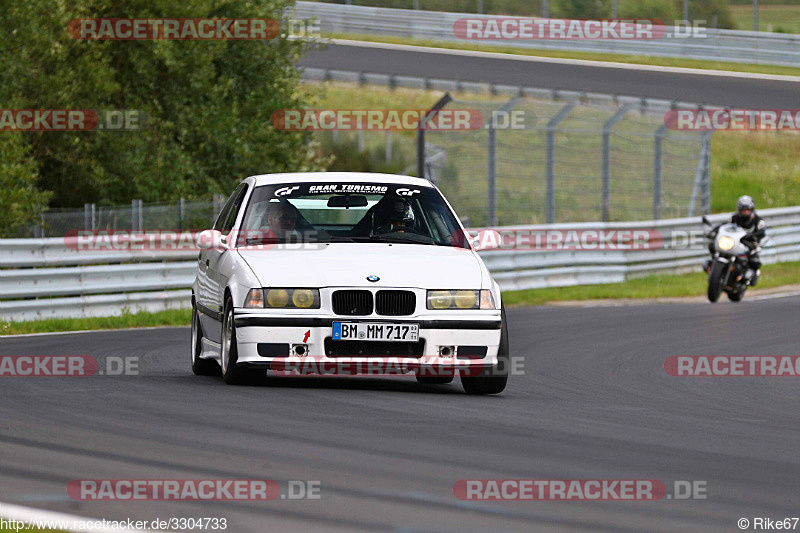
x=715, y=281
x=495, y=378
x=229, y=349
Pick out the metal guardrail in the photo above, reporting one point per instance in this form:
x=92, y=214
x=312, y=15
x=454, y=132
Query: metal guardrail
x=43, y=278
x=716, y=45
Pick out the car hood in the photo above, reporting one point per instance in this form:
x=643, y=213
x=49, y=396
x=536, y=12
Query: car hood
x=349, y=264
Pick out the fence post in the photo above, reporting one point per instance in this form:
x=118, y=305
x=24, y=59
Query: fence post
x=136, y=215
x=700, y=175
x=550, y=155
x=181, y=213
x=87, y=217
x=443, y=101
x=492, y=176
x=607, y=158
x=218, y=202
x=388, y=147
x=705, y=198
x=657, y=172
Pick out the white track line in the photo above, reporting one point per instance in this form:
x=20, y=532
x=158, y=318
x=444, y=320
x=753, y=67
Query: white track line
x=564, y=61
x=773, y=296
x=57, y=520
x=86, y=331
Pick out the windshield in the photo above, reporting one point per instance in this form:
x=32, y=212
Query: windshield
x=349, y=212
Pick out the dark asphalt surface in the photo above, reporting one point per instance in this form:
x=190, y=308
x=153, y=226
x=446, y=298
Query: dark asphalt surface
x=692, y=88
x=594, y=403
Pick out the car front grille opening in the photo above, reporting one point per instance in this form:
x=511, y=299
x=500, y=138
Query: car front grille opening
x=395, y=303
x=352, y=302
x=373, y=348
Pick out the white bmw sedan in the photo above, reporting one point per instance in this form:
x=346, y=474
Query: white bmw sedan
x=332, y=266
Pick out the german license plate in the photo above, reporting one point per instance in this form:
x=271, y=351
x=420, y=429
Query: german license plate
x=366, y=331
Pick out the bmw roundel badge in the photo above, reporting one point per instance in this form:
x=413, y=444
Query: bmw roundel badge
x=373, y=278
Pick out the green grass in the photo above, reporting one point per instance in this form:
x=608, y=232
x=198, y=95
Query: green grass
x=141, y=319
x=656, y=286
x=764, y=165
x=592, y=56
x=783, y=19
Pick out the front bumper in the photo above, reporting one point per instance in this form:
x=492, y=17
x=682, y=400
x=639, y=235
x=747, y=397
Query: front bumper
x=279, y=335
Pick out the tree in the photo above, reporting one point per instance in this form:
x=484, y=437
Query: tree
x=207, y=103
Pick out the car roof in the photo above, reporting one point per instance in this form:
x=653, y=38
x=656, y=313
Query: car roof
x=339, y=177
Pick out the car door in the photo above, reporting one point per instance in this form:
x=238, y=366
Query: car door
x=215, y=255
x=206, y=284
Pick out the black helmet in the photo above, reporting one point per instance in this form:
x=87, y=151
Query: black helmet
x=394, y=213
x=745, y=203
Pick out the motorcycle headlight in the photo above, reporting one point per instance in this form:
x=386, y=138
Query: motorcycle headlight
x=291, y=298
x=460, y=299
x=725, y=243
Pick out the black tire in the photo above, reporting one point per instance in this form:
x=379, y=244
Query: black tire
x=200, y=367
x=435, y=380
x=229, y=350
x=494, y=380
x=736, y=296
x=715, y=281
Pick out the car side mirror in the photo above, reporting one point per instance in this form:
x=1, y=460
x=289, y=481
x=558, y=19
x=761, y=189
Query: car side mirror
x=210, y=238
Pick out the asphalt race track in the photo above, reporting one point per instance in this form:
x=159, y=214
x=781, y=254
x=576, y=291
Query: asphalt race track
x=594, y=403
x=684, y=87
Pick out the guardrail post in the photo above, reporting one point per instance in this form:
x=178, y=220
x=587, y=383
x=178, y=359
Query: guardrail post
x=550, y=156
x=607, y=158
x=657, y=170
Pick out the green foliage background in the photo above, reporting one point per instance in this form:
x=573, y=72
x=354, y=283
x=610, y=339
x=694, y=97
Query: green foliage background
x=209, y=105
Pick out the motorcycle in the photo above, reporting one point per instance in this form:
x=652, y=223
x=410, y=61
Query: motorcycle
x=729, y=269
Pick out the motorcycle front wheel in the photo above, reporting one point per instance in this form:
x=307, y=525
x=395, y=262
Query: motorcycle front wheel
x=715, y=281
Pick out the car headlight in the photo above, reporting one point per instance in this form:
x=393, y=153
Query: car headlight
x=283, y=298
x=460, y=299
x=725, y=243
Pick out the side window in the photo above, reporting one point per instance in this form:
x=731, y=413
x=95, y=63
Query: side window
x=226, y=209
x=233, y=213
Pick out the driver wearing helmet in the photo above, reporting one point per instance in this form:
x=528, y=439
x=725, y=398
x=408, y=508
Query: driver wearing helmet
x=746, y=218
x=393, y=215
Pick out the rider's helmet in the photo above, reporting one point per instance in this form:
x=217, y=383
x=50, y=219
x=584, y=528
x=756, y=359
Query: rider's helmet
x=745, y=207
x=394, y=214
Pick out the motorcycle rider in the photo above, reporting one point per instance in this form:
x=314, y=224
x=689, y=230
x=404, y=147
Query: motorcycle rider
x=746, y=218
